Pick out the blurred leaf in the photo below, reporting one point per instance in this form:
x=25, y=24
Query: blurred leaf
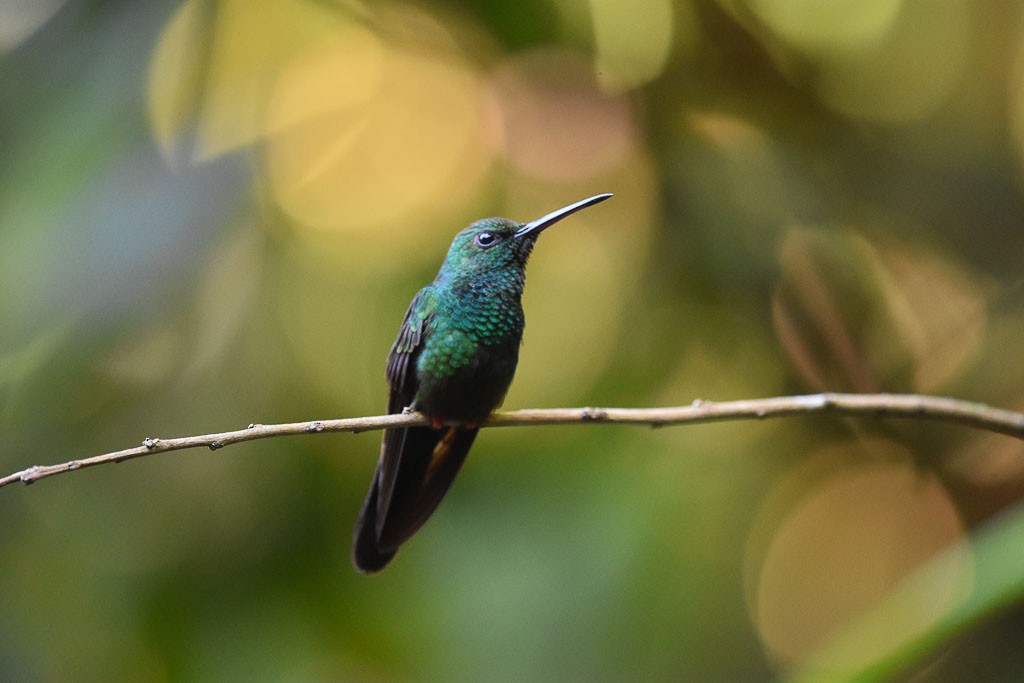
x=997, y=582
x=176, y=73
x=826, y=314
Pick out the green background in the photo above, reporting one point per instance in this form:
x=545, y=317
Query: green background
x=215, y=213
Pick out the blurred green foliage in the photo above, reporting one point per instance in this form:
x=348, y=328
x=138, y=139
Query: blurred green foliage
x=215, y=212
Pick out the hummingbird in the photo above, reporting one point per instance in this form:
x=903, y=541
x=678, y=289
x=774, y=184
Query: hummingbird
x=453, y=361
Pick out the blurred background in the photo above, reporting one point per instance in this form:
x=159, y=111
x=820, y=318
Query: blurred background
x=214, y=212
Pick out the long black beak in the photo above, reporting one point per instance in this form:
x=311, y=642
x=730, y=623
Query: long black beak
x=534, y=228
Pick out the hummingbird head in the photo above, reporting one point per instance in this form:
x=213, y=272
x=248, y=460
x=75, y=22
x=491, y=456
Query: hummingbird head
x=496, y=244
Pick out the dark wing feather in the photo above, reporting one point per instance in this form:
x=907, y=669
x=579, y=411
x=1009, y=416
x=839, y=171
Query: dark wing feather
x=416, y=466
x=401, y=368
x=402, y=384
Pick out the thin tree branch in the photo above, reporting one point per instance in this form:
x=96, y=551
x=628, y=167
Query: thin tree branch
x=915, y=406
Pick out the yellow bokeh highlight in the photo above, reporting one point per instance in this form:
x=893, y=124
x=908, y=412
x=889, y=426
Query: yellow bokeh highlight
x=633, y=47
x=369, y=134
x=829, y=27
x=836, y=539
x=219, y=67
x=338, y=75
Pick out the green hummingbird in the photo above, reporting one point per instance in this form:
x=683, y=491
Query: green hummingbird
x=453, y=361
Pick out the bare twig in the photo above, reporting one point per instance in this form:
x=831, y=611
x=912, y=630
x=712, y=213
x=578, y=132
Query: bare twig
x=915, y=406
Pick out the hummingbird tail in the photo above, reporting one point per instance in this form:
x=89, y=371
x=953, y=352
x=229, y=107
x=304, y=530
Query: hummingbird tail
x=420, y=465
x=367, y=555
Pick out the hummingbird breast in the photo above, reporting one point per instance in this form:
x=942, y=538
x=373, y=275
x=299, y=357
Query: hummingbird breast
x=470, y=352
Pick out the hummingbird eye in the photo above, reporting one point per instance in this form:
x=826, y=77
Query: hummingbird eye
x=485, y=239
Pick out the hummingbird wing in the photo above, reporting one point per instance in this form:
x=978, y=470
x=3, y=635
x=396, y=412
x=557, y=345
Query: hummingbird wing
x=417, y=464
x=402, y=384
